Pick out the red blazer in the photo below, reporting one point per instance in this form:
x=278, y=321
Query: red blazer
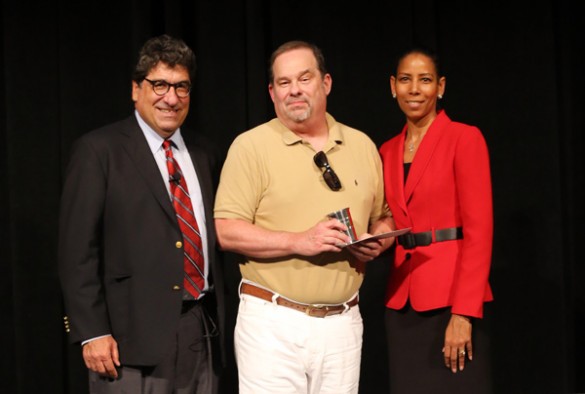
x=448, y=185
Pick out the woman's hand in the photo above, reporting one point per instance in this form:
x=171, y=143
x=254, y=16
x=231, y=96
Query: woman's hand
x=457, y=342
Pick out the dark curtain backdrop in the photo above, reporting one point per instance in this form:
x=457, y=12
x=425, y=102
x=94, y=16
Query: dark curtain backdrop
x=514, y=69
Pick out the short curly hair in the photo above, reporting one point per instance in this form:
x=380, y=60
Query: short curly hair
x=166, y=49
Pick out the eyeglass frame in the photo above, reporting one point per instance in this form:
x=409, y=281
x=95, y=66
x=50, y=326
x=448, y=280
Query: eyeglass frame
x=330, y=177
x=162, y=82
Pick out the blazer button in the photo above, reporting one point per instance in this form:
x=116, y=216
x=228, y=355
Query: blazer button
x=179, y=245
x=407, y=256
x=176, y=287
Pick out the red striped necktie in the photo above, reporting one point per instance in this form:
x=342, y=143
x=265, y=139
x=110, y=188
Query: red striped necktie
x=192, y=246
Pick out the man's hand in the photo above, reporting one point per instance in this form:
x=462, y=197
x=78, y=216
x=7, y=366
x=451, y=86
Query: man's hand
x=101, y=356
x=326, y=236
x=367, y=250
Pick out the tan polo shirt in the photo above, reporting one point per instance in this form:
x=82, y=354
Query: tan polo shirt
x=269, y=179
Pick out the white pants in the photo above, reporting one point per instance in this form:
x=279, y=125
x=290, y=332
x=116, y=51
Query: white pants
x=281, y=350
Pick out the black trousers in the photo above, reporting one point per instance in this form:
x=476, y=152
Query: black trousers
x=188, y=368
x=416, y=366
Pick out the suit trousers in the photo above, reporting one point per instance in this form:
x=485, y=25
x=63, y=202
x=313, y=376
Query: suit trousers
x=186, y=369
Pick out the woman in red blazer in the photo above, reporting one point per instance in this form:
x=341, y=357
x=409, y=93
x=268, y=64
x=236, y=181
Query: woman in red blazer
x=437, y=181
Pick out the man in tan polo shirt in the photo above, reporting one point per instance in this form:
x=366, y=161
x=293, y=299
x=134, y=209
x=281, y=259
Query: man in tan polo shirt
x=299, y=327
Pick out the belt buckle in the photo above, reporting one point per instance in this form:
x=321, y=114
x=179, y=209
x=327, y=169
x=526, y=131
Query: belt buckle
x=321, y=310
x=408, y=241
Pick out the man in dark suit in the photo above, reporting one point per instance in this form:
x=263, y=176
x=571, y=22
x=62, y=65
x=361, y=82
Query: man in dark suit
x=145, y=325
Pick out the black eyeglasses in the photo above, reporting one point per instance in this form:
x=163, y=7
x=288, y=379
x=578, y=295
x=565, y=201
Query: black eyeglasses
x=329, y=175
x=162, y=87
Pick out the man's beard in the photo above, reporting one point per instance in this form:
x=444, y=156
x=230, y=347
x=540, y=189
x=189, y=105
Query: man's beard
x=298, y=118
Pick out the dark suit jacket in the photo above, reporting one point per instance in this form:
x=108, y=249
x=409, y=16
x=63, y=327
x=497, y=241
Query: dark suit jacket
x=120, y=270
x=448, y=185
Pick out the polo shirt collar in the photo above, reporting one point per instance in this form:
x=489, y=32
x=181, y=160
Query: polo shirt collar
x=335, y=135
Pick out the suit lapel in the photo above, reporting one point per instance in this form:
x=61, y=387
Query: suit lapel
x=202, y=165
x=424, y=153
x=397, y=173
x=139, y=152
x=205, y=183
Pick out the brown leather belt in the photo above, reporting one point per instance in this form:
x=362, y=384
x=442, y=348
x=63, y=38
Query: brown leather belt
x=315, y=310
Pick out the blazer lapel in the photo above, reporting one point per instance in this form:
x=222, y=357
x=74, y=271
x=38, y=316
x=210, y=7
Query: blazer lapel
x=397, y=172
x=424, y=153
x=140, y=153
x=204, y=177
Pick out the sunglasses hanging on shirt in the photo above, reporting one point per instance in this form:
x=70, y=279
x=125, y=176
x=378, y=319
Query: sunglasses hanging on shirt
x=329, y=175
